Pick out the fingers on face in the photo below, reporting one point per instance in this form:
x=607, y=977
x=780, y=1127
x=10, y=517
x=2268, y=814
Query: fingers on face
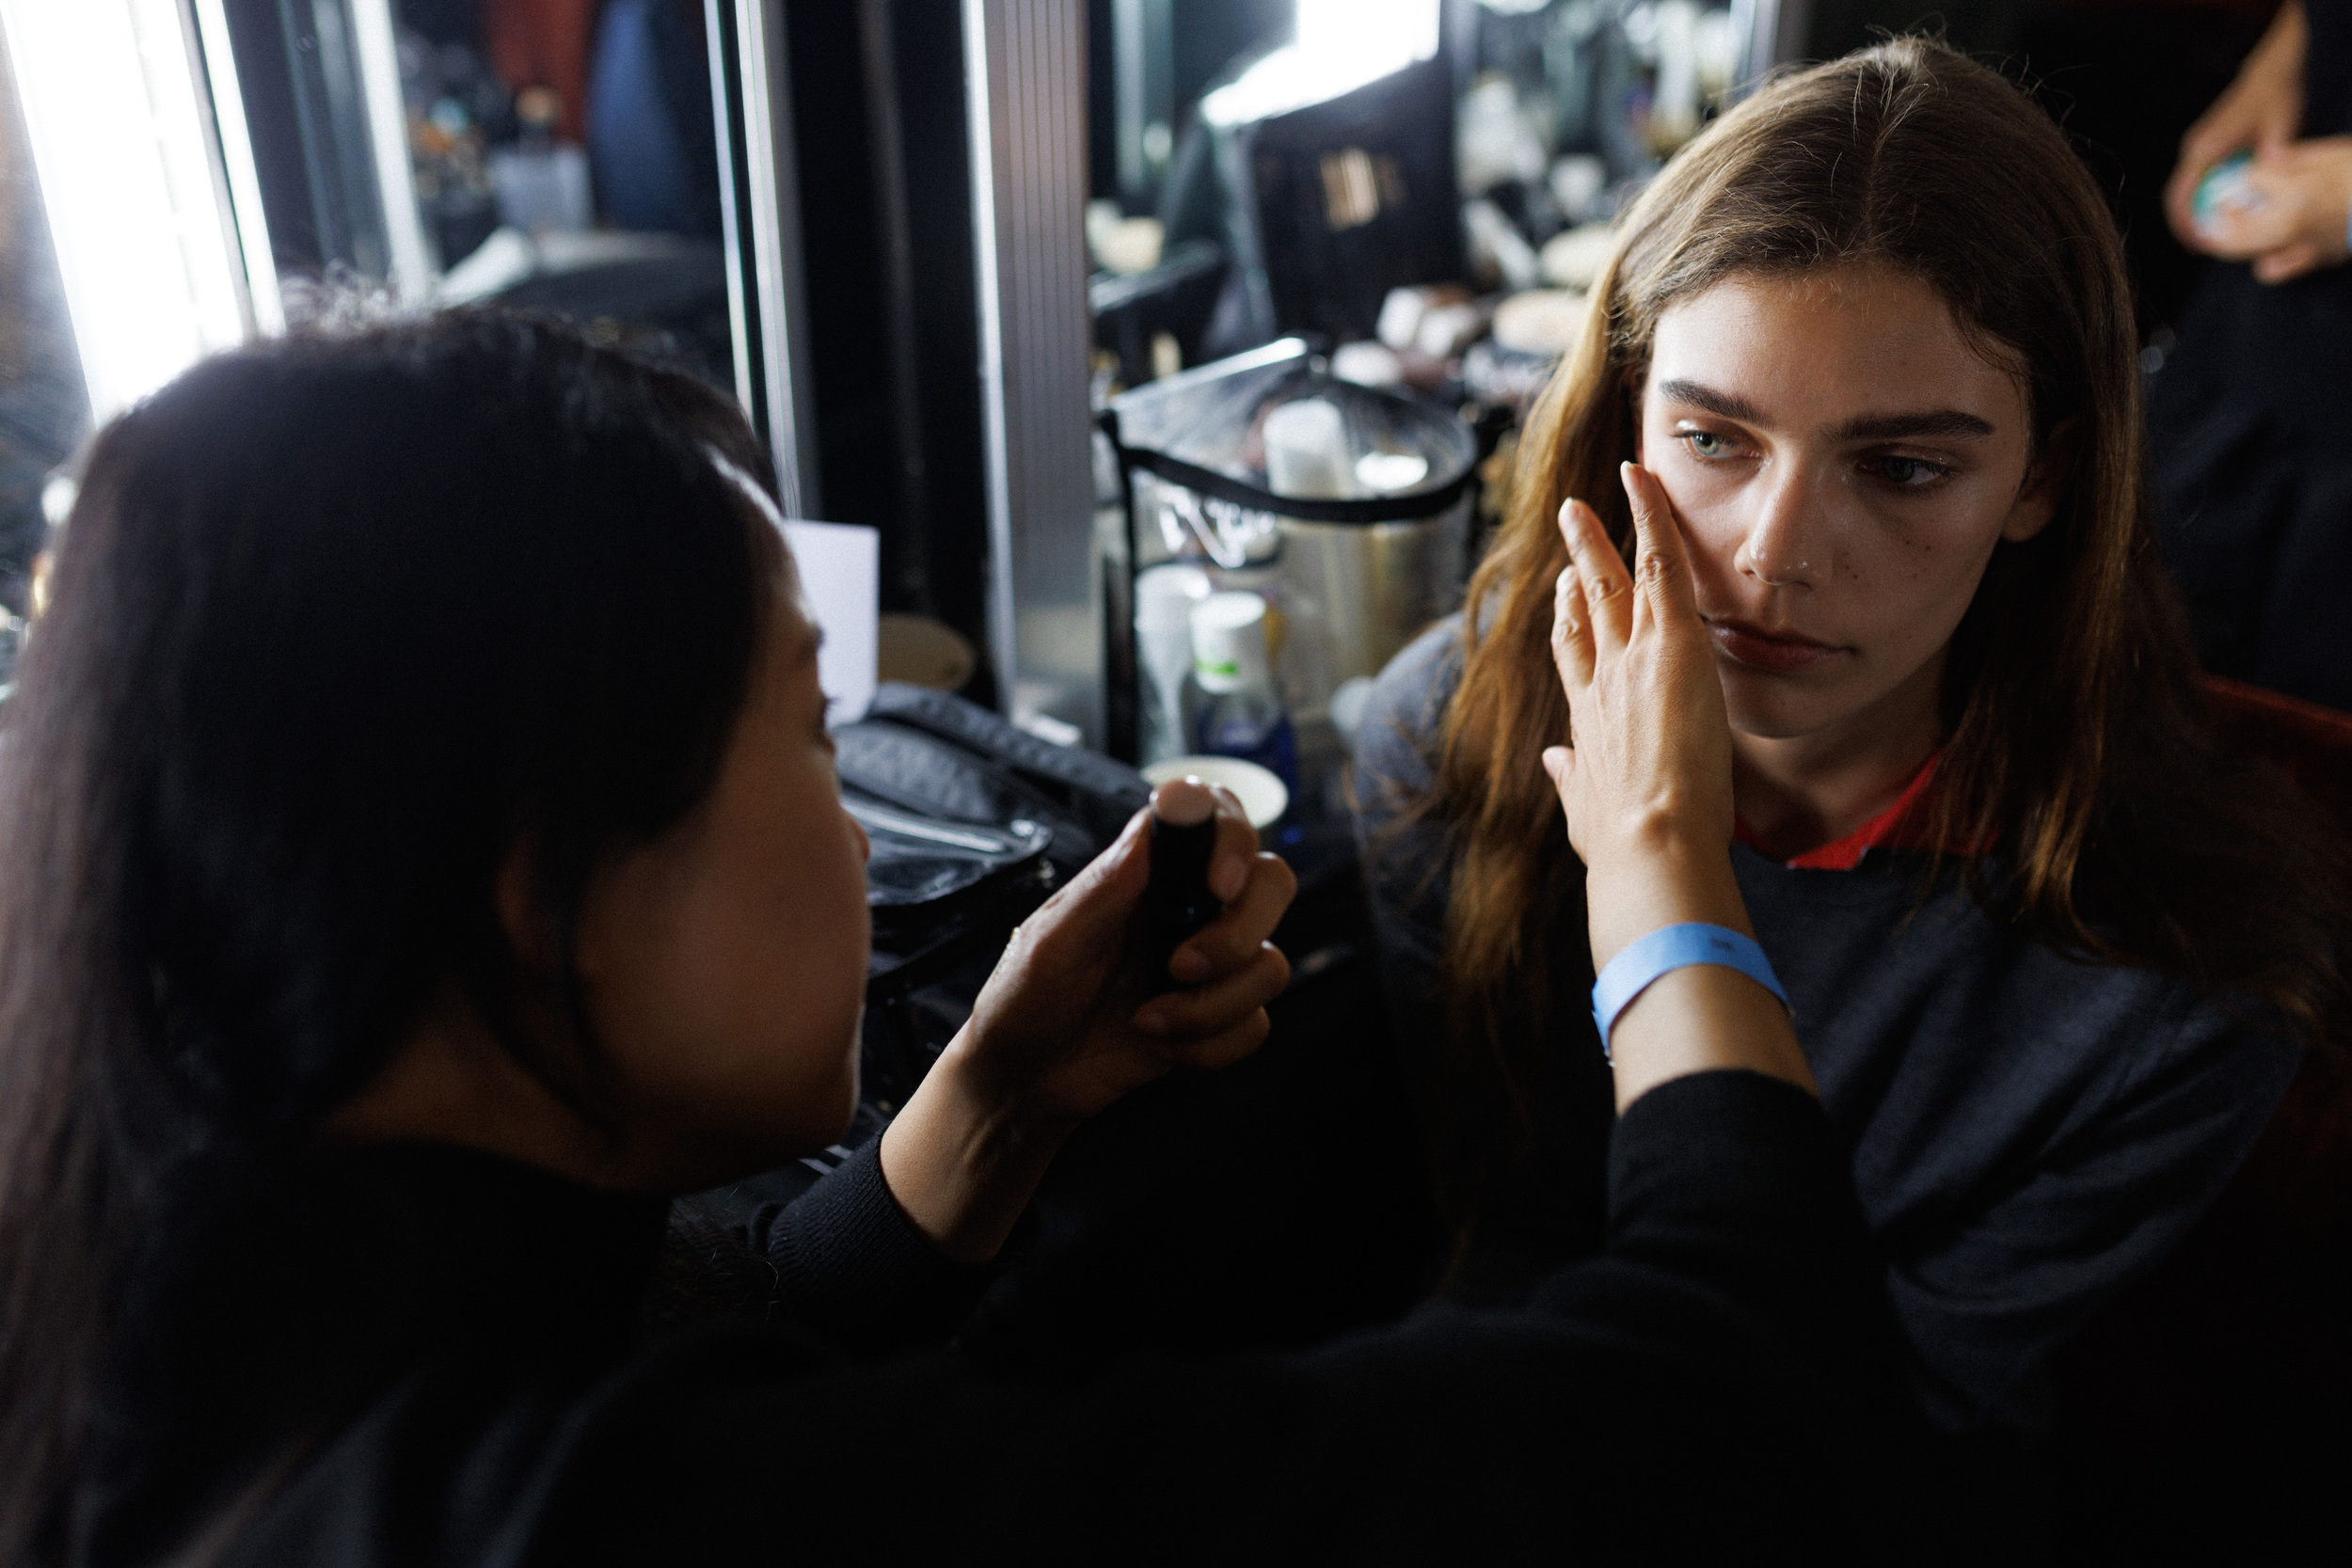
x=1600, y=575
x=1571, y=628
x=1661, y=567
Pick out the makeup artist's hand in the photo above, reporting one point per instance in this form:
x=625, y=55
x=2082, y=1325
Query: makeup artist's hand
x=1646, y=787
x=1068, y=1024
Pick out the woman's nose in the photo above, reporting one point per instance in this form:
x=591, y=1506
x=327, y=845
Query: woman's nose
x=1781, y=548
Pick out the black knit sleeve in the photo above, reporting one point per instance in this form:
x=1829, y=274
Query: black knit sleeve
x=1734, y=1179
x=851, y=1266
x=1695, y=1386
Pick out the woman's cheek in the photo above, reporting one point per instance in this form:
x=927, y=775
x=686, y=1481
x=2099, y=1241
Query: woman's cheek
x=1928, y=555
x=1904, y=594
x=1711, y=531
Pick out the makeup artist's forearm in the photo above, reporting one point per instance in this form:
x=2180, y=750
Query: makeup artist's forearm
x=1703, y=1018
x=962, y=1168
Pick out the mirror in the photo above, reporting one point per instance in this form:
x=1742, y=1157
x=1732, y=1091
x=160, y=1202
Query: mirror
x=1413, y=196
x=44, y=412
x=1266, y=166
x=558, y=155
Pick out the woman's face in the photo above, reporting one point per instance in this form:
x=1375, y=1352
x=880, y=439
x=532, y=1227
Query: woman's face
x=1843, y=464
x=724, y=963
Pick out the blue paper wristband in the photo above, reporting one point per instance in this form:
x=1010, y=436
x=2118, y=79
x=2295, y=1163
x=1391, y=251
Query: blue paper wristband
x=1669, y=948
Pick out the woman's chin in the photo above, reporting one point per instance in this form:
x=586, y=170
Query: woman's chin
x=1769, y=709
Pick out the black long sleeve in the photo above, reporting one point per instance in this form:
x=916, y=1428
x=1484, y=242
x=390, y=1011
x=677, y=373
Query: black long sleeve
x=427, y=1354
x=851, y=1266
x=1710, y=1378
x=839, y=1260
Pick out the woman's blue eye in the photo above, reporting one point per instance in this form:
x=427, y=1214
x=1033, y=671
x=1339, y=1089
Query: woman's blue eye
x=1705, y=443
x=1910, y=473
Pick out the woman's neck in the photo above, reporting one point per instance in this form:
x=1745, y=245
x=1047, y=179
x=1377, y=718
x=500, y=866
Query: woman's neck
x=1796, y=793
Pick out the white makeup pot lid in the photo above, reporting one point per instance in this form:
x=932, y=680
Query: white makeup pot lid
x=1262, y=795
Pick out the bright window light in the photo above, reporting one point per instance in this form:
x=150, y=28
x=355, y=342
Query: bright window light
x=1400, y=31
x=1337, y=46
x=109, y=91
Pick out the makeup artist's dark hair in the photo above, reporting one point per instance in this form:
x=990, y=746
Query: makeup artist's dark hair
x=337, y=626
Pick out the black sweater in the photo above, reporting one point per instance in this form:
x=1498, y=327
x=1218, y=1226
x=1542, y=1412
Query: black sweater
x=2027, y=1133
x=421, y=1355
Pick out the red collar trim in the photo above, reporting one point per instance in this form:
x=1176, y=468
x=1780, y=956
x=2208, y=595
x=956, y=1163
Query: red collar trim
x=1901, y=826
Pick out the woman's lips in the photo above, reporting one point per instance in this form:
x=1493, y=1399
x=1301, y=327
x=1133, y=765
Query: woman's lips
x=1781, y=653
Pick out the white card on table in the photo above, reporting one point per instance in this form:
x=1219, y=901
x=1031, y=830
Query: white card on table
x=840, y=569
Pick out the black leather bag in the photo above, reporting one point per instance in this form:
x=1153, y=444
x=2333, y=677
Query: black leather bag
x=974, y=822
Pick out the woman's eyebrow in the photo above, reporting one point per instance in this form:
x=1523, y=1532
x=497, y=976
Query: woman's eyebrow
x=1944, y=422
x=1720, y=403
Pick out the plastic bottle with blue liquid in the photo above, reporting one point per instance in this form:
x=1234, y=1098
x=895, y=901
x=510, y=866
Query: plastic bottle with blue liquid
x=1242, y=715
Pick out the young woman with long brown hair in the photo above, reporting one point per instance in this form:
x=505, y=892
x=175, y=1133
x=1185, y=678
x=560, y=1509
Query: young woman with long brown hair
x=2052, y=954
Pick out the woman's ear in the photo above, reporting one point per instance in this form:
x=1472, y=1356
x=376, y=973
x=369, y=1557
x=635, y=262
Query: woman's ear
x=2046, y=483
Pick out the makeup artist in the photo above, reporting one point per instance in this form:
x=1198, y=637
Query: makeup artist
x=419, y=855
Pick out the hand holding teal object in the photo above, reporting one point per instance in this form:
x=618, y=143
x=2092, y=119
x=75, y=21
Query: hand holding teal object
x=2225, y=186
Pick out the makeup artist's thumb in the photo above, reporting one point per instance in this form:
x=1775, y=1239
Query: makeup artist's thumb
x=1106, y=891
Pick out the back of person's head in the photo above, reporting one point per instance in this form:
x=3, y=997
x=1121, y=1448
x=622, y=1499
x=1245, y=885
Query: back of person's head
x=2070, y=683
x=337, y=626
